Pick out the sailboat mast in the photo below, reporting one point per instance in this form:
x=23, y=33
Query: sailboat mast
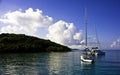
x=86, y=23
x=97, y=38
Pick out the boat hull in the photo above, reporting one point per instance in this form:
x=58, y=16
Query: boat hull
x=84, y=59
x=98, y=52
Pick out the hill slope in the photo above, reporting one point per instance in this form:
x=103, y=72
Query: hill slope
x=17, y=43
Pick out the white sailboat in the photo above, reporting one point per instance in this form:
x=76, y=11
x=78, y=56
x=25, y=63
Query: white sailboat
x=86, y=57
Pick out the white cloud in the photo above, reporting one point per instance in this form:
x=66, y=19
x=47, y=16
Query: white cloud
x=27, y=21
x=64, y=33
x=116, y=44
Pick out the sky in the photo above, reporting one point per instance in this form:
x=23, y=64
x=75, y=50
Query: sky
x=63, y=21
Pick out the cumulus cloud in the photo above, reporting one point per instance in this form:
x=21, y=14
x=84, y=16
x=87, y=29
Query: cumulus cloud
x=116, y=44
x=64, y=33
x=27, y=21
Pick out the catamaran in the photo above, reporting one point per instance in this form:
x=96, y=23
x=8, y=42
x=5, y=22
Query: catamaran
x=95, y=50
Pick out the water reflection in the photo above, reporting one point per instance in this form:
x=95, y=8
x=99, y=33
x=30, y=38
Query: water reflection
x=21, y=64
x=55, y=60
x=59, y=64
x=88, y=68
x=35, y=64
x=66, y=63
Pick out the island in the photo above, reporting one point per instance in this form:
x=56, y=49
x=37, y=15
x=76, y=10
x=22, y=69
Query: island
x=21, y=43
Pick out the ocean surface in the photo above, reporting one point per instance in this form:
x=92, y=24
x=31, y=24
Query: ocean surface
x=59, y=63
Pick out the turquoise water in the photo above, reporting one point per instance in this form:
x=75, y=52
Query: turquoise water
x=54, y=63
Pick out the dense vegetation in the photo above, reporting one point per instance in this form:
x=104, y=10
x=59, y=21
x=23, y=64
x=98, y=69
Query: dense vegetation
x=21, y=43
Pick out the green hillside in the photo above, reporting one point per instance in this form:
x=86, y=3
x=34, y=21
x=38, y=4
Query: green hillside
x=20, y=43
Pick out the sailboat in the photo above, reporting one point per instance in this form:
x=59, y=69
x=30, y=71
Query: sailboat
x=86, y=56
x=95, y=50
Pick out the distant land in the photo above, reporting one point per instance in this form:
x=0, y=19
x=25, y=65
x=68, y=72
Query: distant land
x=21, y=43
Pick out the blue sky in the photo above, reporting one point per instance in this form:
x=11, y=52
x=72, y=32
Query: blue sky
x=105, y=14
